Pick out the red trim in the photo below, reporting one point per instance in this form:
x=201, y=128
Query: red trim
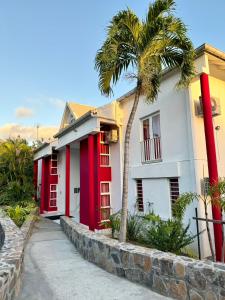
x=97, y=182
x=67, y=209
x=43, y=184
x=211, y=156
x=91, y=182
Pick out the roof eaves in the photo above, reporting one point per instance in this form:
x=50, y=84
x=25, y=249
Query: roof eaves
x=198, y=52
x=41, y=147
x=78, y=122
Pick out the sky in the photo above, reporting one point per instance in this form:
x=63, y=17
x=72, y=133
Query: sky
x=47, y=51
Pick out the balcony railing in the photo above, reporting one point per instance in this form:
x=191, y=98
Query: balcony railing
x=151, y=150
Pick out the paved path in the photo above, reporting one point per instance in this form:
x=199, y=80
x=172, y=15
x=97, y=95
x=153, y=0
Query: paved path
x=54, y=270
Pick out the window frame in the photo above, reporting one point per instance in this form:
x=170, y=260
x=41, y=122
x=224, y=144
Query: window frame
x=102, y=142
x=137, y=181
x=150, y=118
x=103, y=194
x=53, y=191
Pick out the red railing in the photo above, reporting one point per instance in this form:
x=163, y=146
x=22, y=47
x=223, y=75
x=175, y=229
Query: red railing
x=151, y=150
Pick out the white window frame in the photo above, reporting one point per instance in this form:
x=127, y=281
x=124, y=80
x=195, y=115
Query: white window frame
x=105, y=154
x=150, y=117
x=56, y=191
x=102, y=194
x=52, y=166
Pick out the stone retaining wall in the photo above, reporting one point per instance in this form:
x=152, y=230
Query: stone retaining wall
x=11, y=255
x=175, y=276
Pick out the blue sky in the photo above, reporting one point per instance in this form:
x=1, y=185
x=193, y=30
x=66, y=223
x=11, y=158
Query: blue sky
x=47, y=50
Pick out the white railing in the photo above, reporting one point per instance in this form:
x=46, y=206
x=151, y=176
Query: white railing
x=151, y=150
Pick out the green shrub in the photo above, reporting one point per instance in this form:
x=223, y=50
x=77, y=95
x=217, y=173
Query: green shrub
x=16, y=172
x=115, y=224
x=18, y=214
x=151, y=217
x=168, y=236
x=134, y=227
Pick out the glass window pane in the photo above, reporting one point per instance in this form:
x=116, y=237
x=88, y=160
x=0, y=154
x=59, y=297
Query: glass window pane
x=105, y=200
x=104, y=187
x=146, y=131
x=156, y=126
x=105, y=213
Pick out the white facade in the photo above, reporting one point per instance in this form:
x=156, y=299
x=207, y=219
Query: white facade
x=183, y=151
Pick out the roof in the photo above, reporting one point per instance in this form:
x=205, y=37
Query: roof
x=89, y=114
x=204, y=48
x=42, y=146
x=84, y=112
x=79, y=110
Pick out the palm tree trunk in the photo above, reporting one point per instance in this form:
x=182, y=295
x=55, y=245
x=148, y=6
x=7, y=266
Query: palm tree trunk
x=123, y=227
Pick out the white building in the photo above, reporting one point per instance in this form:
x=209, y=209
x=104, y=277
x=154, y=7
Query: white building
x=81, y=171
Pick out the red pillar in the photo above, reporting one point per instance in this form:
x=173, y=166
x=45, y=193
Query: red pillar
x=97, y=183
x=35, y=179
x=211, y=157
x=43, y=185
x=91, y=180
x=67, y=175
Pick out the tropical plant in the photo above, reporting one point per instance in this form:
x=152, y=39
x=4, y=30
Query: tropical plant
x=18, y=214
x=134, y=227
x=16, y=171
x=168, y=236
x=143, y=49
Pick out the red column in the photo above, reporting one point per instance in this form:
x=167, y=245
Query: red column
x=67, y=175
x=91, y=182
x=43, y=185
x=211, y=157
x=97, y=183
x=35, y=179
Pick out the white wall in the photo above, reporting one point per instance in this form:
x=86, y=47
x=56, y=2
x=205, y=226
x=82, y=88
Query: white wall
x=75, y=183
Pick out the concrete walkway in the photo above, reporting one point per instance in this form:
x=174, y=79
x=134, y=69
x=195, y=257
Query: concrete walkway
x=54, y=270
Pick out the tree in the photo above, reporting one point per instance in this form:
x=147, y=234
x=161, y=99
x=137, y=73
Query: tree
x=143, y=49
x=16, y=171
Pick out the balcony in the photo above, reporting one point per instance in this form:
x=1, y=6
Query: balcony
x=151, y=150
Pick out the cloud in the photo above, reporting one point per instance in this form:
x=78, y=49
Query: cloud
x=28, y=132
x=59, y=103
x=24, y=112
x=43, y=100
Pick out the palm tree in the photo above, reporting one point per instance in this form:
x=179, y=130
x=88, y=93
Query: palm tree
x=143, y=49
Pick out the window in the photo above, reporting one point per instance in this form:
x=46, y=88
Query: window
x=105, y=201
x=205, y=186
x=151, y=144
x=140, y=204
x=174, y=191
x=54, y=164
x=53, y=195
x=104, y=151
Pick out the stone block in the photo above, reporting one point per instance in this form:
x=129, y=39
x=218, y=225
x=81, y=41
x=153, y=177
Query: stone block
x=159, y=285
x=177, y=289
x=194, y=295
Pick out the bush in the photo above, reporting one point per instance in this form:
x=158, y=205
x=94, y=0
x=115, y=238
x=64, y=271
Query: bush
x=168, y=236
x=18, y=214
x=16, y=172
x=134, y=227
